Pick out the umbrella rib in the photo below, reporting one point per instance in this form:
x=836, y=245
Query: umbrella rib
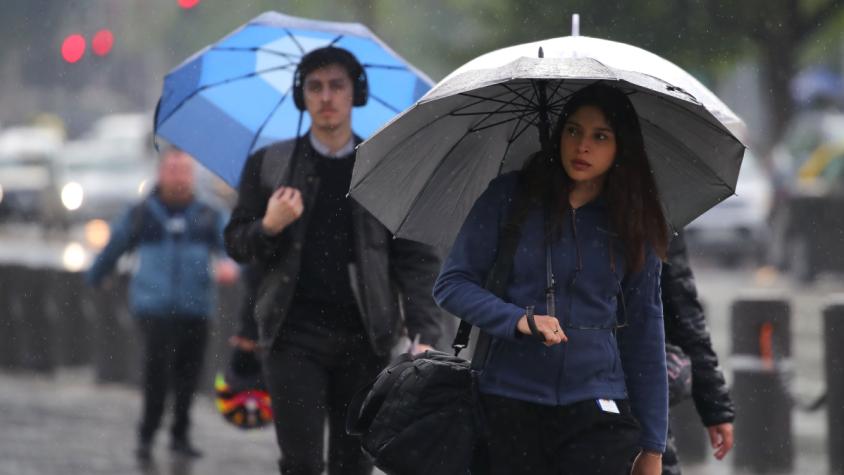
x=384, y=66
x=528, y=124
x=234, y=49
x=529, y=101
x=384, y=103
x=482, y=99
x=513, y=137
x=266, y=121
x=511, y=119
x=295, y=41
x=336, y=40
x=488, y=114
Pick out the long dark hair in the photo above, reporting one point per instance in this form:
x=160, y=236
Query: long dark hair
x=634, y=207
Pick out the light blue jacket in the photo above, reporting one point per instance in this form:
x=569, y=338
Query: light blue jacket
x=174, y=250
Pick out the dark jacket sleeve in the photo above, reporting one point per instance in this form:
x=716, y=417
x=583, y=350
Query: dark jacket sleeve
x=248, y=325
x=414, y=267
x=685, y=326
x=245, y=240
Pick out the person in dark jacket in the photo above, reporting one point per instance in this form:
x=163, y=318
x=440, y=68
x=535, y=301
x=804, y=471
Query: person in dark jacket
x=685, y=326
x=335, y=291
x=172, y=292
x=562, y=391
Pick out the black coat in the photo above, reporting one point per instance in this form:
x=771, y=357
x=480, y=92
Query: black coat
x=685, y=326
x=392, y=278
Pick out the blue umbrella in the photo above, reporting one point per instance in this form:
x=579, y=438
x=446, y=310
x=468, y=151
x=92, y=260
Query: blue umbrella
x=234, y=97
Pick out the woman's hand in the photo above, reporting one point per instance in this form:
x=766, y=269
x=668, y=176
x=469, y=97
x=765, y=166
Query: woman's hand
x=549, y=327
x=647, y=463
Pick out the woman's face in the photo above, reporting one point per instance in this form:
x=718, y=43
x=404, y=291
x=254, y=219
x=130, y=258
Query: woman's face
x=587, y=145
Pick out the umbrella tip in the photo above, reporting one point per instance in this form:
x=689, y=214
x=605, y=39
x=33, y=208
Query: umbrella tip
x=541, y=53
x=575, y=24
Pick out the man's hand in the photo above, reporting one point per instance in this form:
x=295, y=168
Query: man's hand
x=226, y=272
x=548, y=326
x=647, y=463
x=721, y=438
x=283, y=207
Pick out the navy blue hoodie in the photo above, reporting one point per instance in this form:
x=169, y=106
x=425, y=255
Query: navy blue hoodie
x=596, y=362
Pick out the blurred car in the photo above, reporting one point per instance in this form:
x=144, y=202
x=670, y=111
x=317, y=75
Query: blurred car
x=93, y=179
x=737, y=228
x=25, y=171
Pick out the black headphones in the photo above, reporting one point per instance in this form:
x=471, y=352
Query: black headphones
x=322, y=57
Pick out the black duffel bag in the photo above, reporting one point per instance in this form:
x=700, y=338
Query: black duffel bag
x=422, y=415
x=419, y=416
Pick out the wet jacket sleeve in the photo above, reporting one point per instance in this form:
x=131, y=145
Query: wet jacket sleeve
x=685, y=326
x=460, y=286
x=119, y=243
x=245, y=240
x=414, y=267
x=642, y=347
x=248, y=325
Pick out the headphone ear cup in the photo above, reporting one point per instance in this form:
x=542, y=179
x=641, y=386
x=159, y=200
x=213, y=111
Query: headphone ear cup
x=298, y=95
x=361, y=92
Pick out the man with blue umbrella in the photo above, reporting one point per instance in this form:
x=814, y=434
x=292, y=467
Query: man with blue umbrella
x=336, y=292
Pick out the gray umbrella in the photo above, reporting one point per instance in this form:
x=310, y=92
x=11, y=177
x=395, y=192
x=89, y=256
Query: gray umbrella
x=422, y=172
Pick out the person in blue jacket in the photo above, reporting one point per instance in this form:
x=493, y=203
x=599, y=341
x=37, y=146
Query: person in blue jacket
x=171, y=293
x=575, y=379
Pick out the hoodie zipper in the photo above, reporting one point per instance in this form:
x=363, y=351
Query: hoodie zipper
x=562, y=376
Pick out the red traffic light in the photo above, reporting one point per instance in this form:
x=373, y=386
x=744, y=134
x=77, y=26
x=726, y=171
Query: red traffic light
x=188, y=4
x=73, y=48
x=102, y=42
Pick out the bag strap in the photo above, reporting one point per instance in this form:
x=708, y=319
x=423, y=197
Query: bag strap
x=499, y=274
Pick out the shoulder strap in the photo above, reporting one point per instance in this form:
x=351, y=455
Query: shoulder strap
x=499, y=274
x=278, y=163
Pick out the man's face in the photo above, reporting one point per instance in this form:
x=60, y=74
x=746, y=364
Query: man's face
x=328, y=96
x=175, y=176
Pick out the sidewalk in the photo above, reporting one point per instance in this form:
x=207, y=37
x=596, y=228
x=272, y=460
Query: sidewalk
x=66, y=425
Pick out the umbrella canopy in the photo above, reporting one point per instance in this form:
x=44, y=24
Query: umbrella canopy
x=234, y=97
x=615, y=55
x=422, y=172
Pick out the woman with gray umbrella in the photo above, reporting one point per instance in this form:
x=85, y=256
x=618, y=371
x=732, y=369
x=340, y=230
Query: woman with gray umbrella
x=575, y=380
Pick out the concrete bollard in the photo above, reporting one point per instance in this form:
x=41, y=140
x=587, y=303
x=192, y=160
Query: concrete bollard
x=761, y=352
x=9, y=327
x=36, y=344
x=833, y=316
x=74, y=340
x=689, y=433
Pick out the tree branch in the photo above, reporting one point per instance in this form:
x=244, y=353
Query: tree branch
x=807, y=26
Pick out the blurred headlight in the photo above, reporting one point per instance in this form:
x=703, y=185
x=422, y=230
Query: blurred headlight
x=1, y=193
x=142, y=187
x=72, y=196
x=97, y=233
x=74, y=257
